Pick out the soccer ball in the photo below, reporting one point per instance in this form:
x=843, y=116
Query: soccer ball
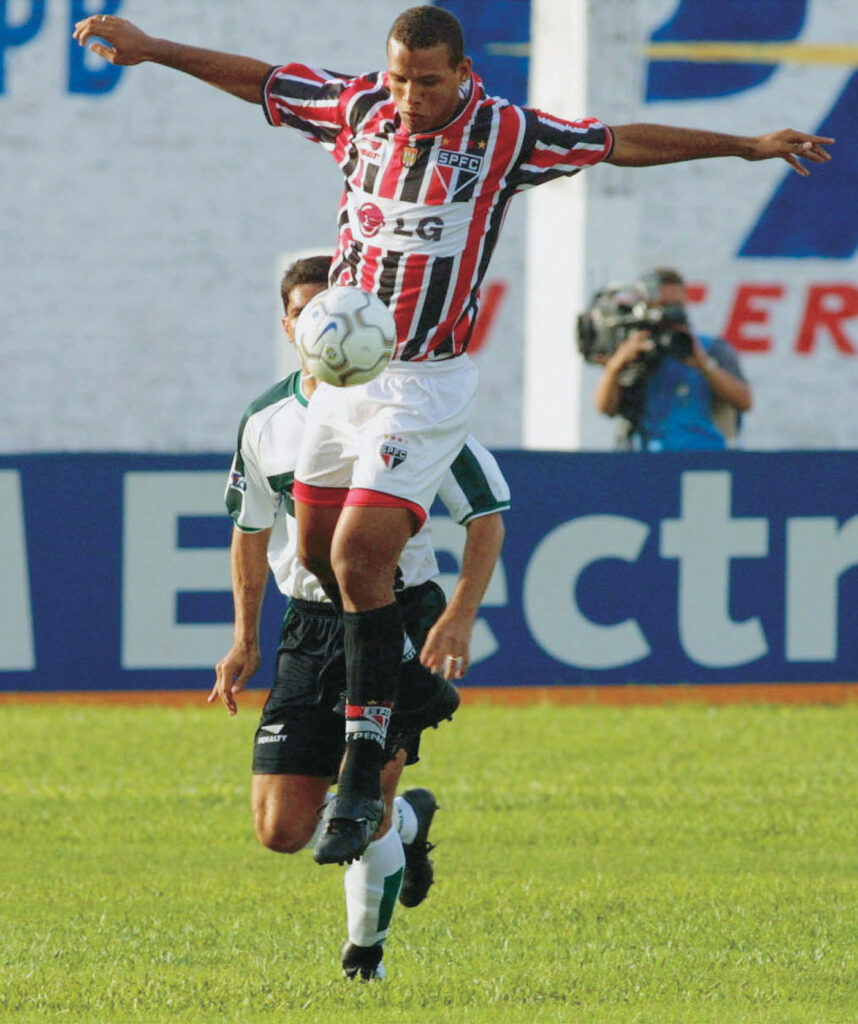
x=345, y=336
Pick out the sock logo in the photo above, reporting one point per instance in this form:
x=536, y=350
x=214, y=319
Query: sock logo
x=367, y=722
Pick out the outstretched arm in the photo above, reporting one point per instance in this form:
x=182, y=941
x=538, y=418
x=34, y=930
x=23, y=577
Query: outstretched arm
x=248, y=556
x=120, y=42
x=644, y=145
x=447, y=647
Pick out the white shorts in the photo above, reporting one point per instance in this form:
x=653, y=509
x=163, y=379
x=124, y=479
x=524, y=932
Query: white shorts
x=395, y=436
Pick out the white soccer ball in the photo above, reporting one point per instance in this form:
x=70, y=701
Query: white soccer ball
x=345, y=336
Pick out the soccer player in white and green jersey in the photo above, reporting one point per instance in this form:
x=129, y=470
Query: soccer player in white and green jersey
x=299, y=743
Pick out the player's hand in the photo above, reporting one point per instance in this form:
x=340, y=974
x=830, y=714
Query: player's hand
x=118, y=41
x=793, y=147
x=447, y=648
x=232, y=673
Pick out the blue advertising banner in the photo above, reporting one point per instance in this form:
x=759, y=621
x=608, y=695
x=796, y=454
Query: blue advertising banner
x=618, y=568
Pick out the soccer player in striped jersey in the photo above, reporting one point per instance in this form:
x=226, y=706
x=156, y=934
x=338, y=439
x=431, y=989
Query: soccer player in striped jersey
x=430, y=163
x=299, y=741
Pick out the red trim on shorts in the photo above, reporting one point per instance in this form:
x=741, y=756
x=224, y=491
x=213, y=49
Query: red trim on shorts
x=365, y=498
x=319, y=497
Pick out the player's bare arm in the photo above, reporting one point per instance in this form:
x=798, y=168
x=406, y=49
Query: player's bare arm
x=645, y=145
x=119, y=41
x=447, y=647
x=249, y=569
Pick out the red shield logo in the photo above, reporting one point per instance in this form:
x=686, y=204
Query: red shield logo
x=371, y=219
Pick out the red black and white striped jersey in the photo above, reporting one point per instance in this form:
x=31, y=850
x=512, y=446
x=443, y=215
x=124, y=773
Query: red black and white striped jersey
x=421, y=214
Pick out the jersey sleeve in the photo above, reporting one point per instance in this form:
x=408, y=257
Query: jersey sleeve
x=306, y=98
x=474, y=486
x=250, y=501
x=554, y=148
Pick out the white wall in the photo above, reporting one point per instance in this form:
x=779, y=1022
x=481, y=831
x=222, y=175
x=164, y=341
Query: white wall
x=142, y=232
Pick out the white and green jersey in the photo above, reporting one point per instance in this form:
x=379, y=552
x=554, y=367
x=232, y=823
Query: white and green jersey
x=259, y=490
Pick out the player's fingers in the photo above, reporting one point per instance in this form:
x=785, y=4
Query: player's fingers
x=815, y=153
x=107, y=52
x=796, y=165
x=454, y=666
x=89, y=27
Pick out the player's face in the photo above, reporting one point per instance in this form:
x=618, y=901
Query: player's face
x=424, y=87
x=299, y=296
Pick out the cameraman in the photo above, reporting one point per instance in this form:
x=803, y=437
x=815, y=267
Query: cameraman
x=673, y=404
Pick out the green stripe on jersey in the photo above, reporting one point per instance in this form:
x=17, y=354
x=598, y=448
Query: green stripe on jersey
x=281, y=484
x=287, y=388
x=469, y=475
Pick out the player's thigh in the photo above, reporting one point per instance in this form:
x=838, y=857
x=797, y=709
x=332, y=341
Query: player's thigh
x=286, y=809
x=367, y=544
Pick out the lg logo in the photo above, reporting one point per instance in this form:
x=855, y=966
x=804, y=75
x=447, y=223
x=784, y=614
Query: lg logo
x=371, y=219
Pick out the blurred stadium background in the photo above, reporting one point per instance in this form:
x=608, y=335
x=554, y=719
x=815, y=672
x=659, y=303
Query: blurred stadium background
x=146, y=219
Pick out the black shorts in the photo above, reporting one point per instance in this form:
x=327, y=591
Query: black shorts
x=299, y=733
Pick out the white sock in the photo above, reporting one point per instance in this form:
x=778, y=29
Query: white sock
x=311, y=842
x=404, y=820
x=372, y=885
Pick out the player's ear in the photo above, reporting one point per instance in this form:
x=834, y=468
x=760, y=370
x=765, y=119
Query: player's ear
x=290, y=337
x=464, y=69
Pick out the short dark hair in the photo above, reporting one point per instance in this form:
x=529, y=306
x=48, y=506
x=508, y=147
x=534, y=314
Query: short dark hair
x=311, y=270
x=421, y=27
x=666, y=275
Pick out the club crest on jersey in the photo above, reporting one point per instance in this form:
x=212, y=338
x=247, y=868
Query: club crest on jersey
x=409, y=156
x=457, y=170
x=371, y=219
x=393, y=451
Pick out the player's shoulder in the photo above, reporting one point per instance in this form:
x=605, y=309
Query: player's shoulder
x=285, y=393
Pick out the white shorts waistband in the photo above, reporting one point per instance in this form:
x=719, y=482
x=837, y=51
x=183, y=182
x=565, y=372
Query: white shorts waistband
x=428, y=366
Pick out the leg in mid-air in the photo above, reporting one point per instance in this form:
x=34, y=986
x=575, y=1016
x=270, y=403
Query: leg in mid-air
x=366, y=548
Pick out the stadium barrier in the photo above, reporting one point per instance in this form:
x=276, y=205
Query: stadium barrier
x=729, y=573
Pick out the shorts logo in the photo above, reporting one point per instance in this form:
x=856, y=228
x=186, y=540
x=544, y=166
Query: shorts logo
x=272, y=728
x=237, y=481
x=393, y=451
x=371, y=219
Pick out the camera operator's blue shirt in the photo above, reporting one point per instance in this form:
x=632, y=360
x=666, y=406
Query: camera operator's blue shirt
x=677, y=412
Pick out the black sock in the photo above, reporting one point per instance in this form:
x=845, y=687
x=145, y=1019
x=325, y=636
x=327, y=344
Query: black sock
x=373, y=645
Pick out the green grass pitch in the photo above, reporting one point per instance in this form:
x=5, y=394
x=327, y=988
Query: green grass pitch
x=668, y=864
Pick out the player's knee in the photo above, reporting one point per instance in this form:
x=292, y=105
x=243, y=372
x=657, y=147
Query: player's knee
x=282, y=837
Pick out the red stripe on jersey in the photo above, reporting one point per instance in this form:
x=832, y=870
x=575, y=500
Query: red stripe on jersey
x=434, y=259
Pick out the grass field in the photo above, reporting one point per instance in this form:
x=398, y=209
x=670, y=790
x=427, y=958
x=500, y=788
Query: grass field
x=669, y=864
